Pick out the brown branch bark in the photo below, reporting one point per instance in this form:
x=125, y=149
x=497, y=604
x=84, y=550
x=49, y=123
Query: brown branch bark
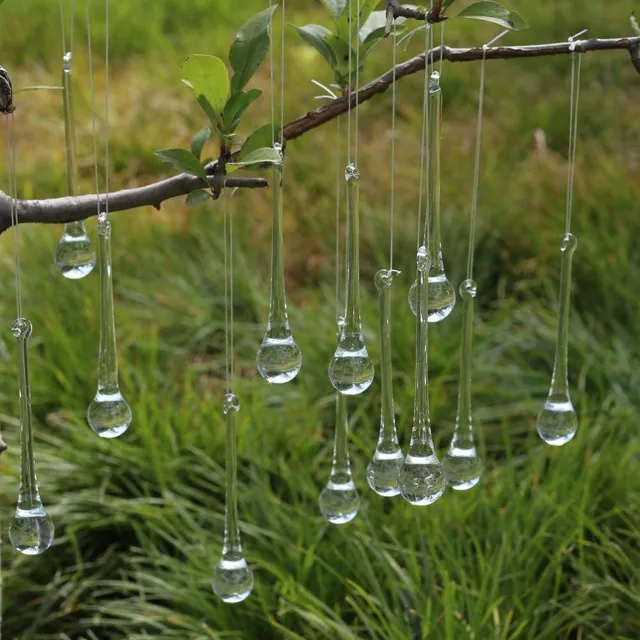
x=70, y=209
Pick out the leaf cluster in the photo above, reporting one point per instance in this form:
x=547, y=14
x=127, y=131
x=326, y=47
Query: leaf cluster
x=225, y=100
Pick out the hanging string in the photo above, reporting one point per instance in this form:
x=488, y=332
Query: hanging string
x=338, y=185
x=357, y=77
x=13, y=205
x=441, y=46
x=423, y=140
x=282, y=72
x=393, y=150
x=272, y=104
x=71, y=26
x=576, y=64
x=228, y=288
x=94, y=124
x=476, y=170
x=106, y=113
x=349, y=158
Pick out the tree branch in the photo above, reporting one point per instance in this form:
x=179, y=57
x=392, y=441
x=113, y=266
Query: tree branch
x=332, y=110
x=72, y=209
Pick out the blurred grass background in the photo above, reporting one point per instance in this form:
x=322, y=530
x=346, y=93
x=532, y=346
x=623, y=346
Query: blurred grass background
x=548, y=546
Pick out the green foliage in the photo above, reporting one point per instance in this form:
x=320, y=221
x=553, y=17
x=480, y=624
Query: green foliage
x=260, y=138
x=235, y=108
x=199, y=140
x=197, y=197
x=494, y=12
x=183, y=160
x=250, y=48
x=209, y=79
x=265, y=155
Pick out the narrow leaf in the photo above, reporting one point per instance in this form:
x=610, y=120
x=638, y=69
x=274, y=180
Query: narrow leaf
x=235, y=108
x=250, y=48
x=265, y=155
x=259, y=139
x=316, y=35
x=183, y=160
x=336, y=7
x=199, y=140
x=491, y=11
x=208, y=77
x=197, y=197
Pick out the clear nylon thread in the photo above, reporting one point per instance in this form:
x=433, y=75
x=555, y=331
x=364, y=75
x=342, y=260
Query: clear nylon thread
x=393, y=151
x=576, y=66
x=94, y=124
x=476, y=169
x=338, y=183
x=106, y=113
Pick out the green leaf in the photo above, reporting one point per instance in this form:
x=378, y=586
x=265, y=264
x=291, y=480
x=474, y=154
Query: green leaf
x=491, y=11
x=446, y=4
x=214, y=117
x=336, y=7
x=260, y=138
x=634, y=23
x=349, y=34
x=265, y=155
x=250, y=48
x=37, y=87
x=199, y=140
x=373, y=30
x=208, y=77
x=316, y=35
x=235, y=108
x=197, y=197
x=183, y=160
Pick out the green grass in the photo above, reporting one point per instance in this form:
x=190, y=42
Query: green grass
x=548, y=546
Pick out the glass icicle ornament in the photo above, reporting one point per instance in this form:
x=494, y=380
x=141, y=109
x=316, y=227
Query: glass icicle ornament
x=421, y=479
x=31, y=531
x=558, y=422
x=442, y=295
x=279, y=358
x=232, y=577
x=74, y=257
x=339, y=500
x=109, y=414
x=462, y=464
x=351, y=371
x=382, y=471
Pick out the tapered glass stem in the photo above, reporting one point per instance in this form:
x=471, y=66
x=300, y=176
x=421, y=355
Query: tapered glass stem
x=32, y=530
x=432, y=238
x=442, y=295
x=352, y=320
x=463, y=435
x=462, y=464
x=108, y=357
x=421, y=479
x=560, y=379
x=69, y=126
x=279, y=359
x=382, y=472
x=29, y=495
x=232, y=577
x=339, y=500
x=421, y=441
x=109, y=414
x=278, y=319
x=558, y=421
x=74, y=257
x=232, y=542
x=351, y=371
